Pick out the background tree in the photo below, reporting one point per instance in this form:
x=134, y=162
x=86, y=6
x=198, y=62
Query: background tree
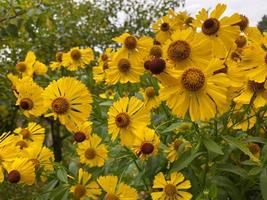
x=262, y=25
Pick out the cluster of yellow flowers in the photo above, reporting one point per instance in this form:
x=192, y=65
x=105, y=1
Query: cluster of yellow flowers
x=198, y=65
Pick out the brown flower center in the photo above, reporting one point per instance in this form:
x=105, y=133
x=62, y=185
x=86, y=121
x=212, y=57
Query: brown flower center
x=13, y=176
x=21, y=66
x=59, y=56
x=147, y=148
x=156, y=65
x=146, y=64
x=26, y=104
x=235, y=56
x=22, y=144
x=150, y=92
x=25, y=133
x=76, y=54
x=177, y=144
x=265, y=58
x=188, y=21
x=256, y=87
x=178, y=50
x=111, y=197
x=156, y=42
x=156, y=51
x=122, y=120
x=90, y=153
x=254, y=148
x=193, y=79
x=164, y=27
x=222, y=70
x=210, y=26
x=60, y=105
x=79, y=136
x=130, y=42
x=79, y=191
x=105, y=66
x=124, y=65
x=170, y=190
x=36, y=163
x=104, y=57
x=243, y=24
x=241, y=41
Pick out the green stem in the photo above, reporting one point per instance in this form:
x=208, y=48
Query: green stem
x=139, y=169
x=55, y=130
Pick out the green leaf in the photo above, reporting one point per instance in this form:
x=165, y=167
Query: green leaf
x=234, y=169
x=255, y=171
x=172, y=127
x=263, y=184
x=62, y=175
x=235, y=142
x=212, y=146
x=184, y=160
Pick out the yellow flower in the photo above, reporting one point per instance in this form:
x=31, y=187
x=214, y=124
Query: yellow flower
x=183, y=20
x=108, y=94
x=162, y=70
x=146, y=144
x=92, y=152
x=15, y=81
x=125, y=117
x=254, y=61
x=26, y=66
x=56, y=65
x=172, y=189
x=219, y=32
x=21, y=171
x=8, y=153
x=151, y=98
x=185, y=48
x=40, y=68
x=164, y=27
x=41, y=157
x=103, y=64
x=252, y=93
x=123, y=70
x=69, y=100
x=85, y=187
x=242, y=120
x=198, y=91
x=115, y=190
x=133, y=48
x=82, y=131
x=76, y=58
x=176, y=148
x=29, y=97
x=32, y=133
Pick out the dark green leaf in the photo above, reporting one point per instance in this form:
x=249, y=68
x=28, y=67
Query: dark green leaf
x=263, y=183
x=62, y=175
x=212, y=146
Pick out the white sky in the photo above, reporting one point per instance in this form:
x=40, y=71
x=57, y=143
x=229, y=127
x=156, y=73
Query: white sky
x=253, y=9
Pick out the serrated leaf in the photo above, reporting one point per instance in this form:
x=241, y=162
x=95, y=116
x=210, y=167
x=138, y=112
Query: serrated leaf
x=212, y=146
x=263, y=183
x=241, y=146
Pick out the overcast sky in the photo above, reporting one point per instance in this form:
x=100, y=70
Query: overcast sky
x=253, y=9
